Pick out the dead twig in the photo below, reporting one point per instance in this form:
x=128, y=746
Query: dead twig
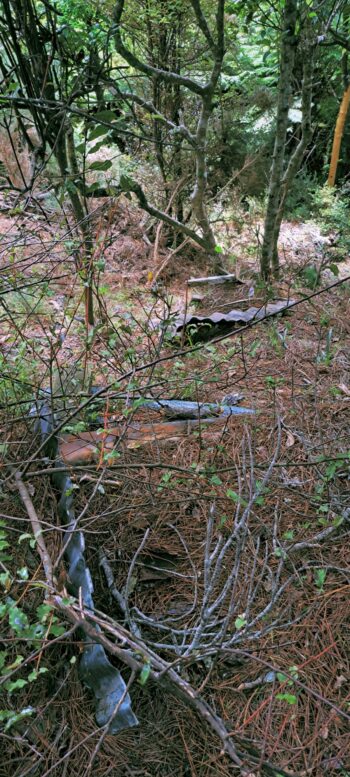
x=37, y=530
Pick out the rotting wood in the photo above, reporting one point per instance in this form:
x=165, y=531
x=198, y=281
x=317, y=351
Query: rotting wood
x=87, y=446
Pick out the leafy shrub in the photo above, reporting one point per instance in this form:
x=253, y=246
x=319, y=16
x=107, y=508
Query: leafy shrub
x=331, y=208
x=301, y=196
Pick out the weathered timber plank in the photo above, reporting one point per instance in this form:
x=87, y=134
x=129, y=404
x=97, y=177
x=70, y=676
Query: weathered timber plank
x=87, y=446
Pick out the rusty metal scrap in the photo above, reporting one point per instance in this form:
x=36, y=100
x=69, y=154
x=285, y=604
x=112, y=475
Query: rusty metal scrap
x=233, y=317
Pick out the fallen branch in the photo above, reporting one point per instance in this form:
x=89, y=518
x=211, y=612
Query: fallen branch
x=37, y=530
x=164, y=675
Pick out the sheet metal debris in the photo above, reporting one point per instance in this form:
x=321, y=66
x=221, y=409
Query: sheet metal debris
x=95, y=670
x=208, y=324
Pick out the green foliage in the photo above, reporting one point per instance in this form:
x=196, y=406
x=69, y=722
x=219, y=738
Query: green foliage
x=300, y=201
x=145, y=673
x=331, y=208
x=320, y=577
x=26, y=630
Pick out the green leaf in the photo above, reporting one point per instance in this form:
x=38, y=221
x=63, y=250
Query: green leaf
x=288, y=697
x=67, y=600
x=280, y=553
x=43, y=612
x=13, y=717
x=145, y=673
x=97, y=146
x=334, y=267
x=218, y=250
x=293, y=670
x=14, y=664
x=18, y=620
x=15, y=686
x=35, y=673
x=57, y=630
x=319, y=578
x=23, y=537
x=5, y=581
x=97, y=132
x=215, y=481
x=240, y=622
x=107, y=116
x=23, y=573
x=232, y=495
x=101, y=165
x=281, y=677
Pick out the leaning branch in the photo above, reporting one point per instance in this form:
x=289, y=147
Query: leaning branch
x=166, y=75
x=129, y=185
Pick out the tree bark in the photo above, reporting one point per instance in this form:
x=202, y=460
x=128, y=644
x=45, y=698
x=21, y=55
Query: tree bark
x=288, y=46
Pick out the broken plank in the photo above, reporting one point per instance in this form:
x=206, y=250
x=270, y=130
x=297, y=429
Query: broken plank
x=88, y=446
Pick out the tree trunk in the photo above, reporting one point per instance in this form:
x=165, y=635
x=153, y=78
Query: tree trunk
x=198, y=194
x=306, y=134
x=65, y=155
x=83, y=225
x=338, y=134
x=288, y=45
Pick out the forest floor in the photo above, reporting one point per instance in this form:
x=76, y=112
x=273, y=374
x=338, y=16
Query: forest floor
x=294, y=368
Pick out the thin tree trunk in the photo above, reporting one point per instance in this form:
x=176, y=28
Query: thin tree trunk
x=288, y=45
x=338, y=134
x=83, y=225
x=296, y=158
x=198, y=194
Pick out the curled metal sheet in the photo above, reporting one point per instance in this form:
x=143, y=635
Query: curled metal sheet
x=95, y=670
x=229, y=320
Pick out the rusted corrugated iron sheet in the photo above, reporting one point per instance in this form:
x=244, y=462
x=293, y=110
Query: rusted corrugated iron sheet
x=233, y=317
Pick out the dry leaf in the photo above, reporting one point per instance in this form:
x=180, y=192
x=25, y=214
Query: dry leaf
x=345, y=389
x=340, y=681
x=324, y=731
x=290, y=439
